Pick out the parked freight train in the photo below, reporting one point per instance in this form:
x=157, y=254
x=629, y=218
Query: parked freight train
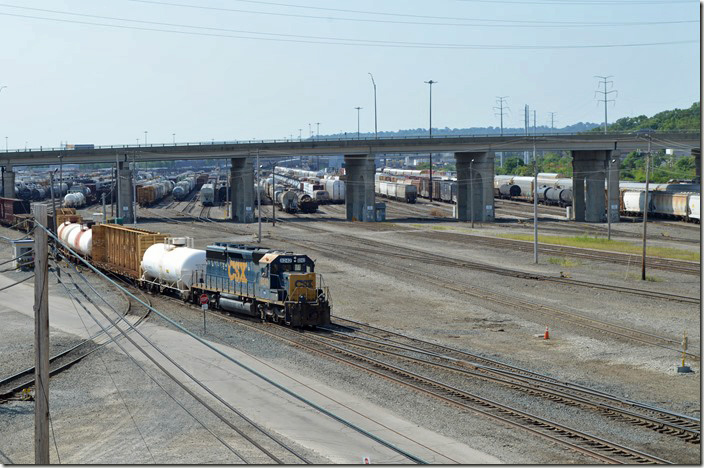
x=272, y=285
x=679, y=201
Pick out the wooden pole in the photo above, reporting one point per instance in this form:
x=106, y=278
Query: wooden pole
x=41, y=338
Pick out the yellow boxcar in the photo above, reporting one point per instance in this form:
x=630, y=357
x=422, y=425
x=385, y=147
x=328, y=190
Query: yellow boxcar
x=120, y=249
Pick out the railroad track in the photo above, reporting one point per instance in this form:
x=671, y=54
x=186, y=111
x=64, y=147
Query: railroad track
x=436, y=259
x=471, y=365
x=355, y=256
x=680, y=266
x=16, y=383
x=587, y=444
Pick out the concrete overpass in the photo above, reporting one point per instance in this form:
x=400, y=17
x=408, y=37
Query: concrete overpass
x=591, y=153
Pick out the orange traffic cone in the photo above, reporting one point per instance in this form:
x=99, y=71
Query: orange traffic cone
x=547, y=333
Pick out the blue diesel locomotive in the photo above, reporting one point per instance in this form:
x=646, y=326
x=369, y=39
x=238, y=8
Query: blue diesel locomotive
x=273, y=285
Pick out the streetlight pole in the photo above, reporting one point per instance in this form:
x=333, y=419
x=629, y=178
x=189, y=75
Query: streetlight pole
x=358, y=109
x=471, y=191
x=300, y=135
x=646, y=206
x=376, y=135
x=608, y=203
x=430, y=135
x=173, y=136
x=273, y=194
x=535, y=198
x=145, y=138
x=317, y=130
x=6, y=150
x=310, y=130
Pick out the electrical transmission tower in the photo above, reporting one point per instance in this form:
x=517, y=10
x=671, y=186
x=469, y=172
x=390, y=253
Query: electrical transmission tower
x=605, y=94
x=552, y=121
x=501, y=100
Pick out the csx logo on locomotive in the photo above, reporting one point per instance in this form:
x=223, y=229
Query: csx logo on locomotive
x=304, y=283
x=235, y=271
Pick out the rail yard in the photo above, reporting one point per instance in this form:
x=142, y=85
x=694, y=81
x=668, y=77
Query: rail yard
x=417, y=339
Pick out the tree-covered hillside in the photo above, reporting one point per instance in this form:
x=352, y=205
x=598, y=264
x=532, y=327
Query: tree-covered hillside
x=675, y=119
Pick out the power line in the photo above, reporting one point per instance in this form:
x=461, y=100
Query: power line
x=583, y=2
x=350, y=42
x=510, y=23
x=605, y=81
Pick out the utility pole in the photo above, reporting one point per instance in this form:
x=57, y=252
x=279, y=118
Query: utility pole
x=310, y=130
x=317, y=130
x=259, y=201
x=134, y=189
x=552, y=121
x=526, y=118
x=300, y=137
x=145, y=138
x=105, y=213
x=358, y=109
x=273, y=194
x=53, y=201
x=501, y=101
x=608, y=202
x=605, y=95
x=646, y=206
x=376, y=135
x=430, y=84
x=535, y=198
x=41, y=337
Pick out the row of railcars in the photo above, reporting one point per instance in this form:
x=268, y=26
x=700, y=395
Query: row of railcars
x=153, y=191
x=271, y=285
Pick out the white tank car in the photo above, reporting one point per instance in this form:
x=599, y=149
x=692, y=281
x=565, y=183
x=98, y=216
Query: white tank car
x=74, y=200
x=172, y=266
x=77, y=237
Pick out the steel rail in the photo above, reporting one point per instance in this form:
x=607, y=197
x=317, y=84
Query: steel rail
x=530, y=385
x=482, y=293
x=588, y=444
x=448, y=352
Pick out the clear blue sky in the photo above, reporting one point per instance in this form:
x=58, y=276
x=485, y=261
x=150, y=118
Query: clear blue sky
x=84, y=83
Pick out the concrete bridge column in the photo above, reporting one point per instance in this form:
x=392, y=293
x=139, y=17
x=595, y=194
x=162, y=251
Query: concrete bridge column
x=697, y=153
x=589, y=169
x=475, y=186
x=8, y=183
x=125, y=192
x=359, y=187
x=242, y=190
x=613, y=176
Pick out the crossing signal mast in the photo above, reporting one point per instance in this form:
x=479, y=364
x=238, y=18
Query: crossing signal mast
x=604, y=80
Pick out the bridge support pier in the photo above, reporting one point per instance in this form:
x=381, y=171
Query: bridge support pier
x=242, y=190
x=8, y=183
x=589, y=170
x=359, y=187
x=475, y=186
x=125, y=192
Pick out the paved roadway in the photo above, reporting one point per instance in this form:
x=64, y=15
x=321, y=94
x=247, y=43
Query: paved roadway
x=268, y=405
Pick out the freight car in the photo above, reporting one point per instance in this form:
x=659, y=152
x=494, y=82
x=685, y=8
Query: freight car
x=10, y=208
x=402, y=192
x=207, y=194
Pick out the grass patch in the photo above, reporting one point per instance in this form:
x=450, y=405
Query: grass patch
x=602, y=243
x=563, y=261
x=637, y=276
